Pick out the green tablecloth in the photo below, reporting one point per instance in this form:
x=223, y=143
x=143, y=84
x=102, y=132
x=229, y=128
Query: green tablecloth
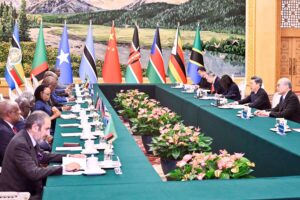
x=276, y=157
x=273, y=154
x=267, y=188
x=136, y=168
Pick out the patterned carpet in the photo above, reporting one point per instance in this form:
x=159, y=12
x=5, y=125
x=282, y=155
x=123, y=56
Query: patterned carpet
x=155, y=161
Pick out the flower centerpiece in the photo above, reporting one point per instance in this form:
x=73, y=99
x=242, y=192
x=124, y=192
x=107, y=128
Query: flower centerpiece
x=149, y=121
x=177, y=140
x=128, y=103
x=199, y=166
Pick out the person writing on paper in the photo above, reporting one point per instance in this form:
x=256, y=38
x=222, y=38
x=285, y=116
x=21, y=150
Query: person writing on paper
x=214, y=80
x=21, y=167
x=231, y=90
x=203, y=84
x=258, y=97
x=288, y=106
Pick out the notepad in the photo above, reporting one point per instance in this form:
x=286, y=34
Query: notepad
x=296, y=129
x=68, y=148
x=69, y=125
x=71, y=134
x=69, y=116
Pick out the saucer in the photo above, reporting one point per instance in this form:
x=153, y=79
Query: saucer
x=240, y=115
x=276, y=129
x=93, y=172
x=87, y=137
x=101, y=146
x=177, y=87
x=188, y=91
x=89, y=151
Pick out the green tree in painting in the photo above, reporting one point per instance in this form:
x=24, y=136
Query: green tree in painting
x=24, y=23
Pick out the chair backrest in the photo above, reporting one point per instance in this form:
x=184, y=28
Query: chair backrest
x=14, y=195
x=242, y=87
x=275, y=99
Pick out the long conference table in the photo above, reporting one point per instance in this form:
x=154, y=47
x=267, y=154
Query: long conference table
x=277, y=157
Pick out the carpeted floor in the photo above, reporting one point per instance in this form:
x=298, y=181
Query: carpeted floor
x=155, y=161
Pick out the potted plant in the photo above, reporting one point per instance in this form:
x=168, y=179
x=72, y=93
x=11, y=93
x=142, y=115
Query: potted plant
x=128, y=103
x=200, y=166
x=149, y=121
x=177, y=140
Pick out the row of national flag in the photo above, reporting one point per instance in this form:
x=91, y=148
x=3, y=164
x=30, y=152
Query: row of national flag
x=111, y=71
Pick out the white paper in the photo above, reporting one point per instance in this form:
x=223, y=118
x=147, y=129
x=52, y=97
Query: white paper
x=69, y=125
x=296, y=129
x=80, y=161
x=68, y=116
x=68, y=148
x=71, y=134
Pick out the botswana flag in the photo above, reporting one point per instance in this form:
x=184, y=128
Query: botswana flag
x=88, y=62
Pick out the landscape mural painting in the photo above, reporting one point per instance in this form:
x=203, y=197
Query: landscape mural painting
x=222, y=24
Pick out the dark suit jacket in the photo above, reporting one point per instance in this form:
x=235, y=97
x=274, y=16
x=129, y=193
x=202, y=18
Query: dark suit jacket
x=204, y=84
x=260, y=100
x=6, y=134
x=233, y=92
x=21, y=169
x=20, y=125
x=288, y=109
x=217, y=86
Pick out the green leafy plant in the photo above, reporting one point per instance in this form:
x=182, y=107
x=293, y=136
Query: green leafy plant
x=128, y=103
x=199, y=166
x=177, y=140
x=150, y=119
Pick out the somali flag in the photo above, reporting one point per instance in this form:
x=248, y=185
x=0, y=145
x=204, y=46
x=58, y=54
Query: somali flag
x=63, y=60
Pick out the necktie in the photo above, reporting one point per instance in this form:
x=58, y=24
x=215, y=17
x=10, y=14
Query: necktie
x=15, y=130
x=212, y=89
x=39, y=155
x=281, y=103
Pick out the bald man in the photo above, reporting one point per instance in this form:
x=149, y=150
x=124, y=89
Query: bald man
x=288, y=106
x=10, y=116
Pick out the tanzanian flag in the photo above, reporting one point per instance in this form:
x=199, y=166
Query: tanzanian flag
x=40, y=61
x=155, y=70
x=176, y=70
x=196, y=59
x=134, y=69
x=14, y=73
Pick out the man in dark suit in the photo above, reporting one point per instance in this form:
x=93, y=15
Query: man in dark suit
x=203, y=84
x=214, y=80
x=21, y=170
x=10, y=116
x=258, y=98
x=25, y=108
x=288, y=107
